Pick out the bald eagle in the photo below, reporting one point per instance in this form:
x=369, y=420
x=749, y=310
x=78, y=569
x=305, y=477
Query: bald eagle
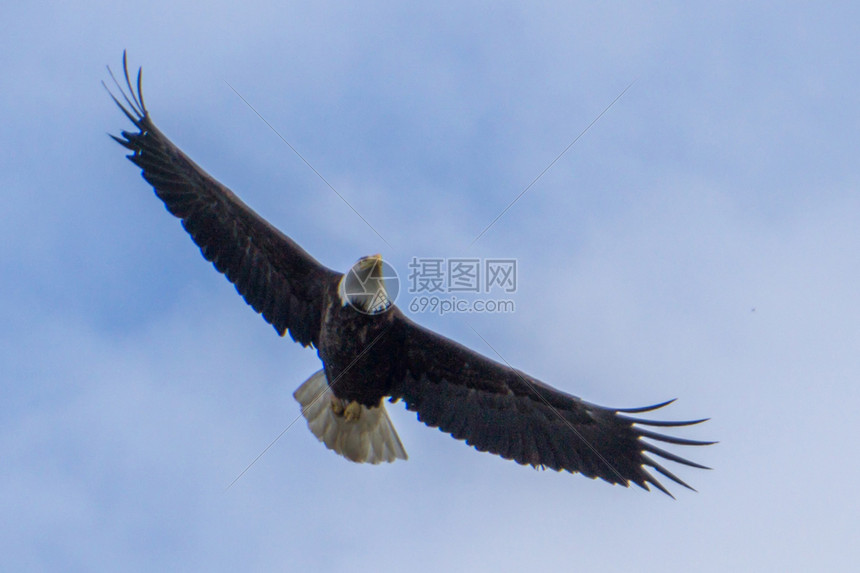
x=371, y=351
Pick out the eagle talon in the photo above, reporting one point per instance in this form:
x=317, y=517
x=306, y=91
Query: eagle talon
x=337, y=406
x=352, y=411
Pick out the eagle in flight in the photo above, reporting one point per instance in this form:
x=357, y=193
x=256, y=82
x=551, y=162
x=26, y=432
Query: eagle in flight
x=371, y=351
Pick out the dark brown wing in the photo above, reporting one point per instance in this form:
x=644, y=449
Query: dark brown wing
x=274, y=275
x=501, y=410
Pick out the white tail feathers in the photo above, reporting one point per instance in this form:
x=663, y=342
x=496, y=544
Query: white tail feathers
x=369, y=438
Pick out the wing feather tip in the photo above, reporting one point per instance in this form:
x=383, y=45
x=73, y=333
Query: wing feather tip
x=649, y=447
x=648, y=478
x=663, y=423
x=643, y=433
x=645, y=408
x=660, y=468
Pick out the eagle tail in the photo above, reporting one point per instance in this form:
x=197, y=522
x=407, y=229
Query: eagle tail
x=370, y=437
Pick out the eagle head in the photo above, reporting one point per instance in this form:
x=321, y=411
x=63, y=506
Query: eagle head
x=363, y=286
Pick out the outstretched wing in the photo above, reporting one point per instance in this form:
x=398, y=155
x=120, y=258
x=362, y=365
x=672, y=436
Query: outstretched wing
x=274, y=275
x=503, y=411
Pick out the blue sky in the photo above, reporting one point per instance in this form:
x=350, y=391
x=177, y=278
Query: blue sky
x=699, y=242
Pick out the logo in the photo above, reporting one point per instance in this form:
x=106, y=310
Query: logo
x=371, y=286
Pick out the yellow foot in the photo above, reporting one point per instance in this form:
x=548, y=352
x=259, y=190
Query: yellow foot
x=352, y=411
x=337, y=406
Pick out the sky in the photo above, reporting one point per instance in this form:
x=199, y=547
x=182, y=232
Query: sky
x=698, y=241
